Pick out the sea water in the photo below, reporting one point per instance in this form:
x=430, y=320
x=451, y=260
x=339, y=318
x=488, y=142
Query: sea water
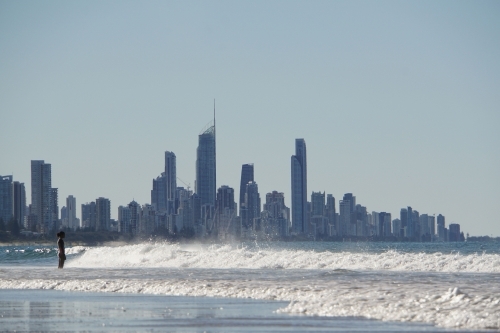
x=448, y=285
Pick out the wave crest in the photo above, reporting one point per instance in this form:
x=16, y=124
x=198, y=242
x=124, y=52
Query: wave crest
x=230, y=256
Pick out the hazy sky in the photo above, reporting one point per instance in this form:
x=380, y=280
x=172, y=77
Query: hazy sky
x=398, y=101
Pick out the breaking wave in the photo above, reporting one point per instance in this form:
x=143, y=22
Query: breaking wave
x=231, y=256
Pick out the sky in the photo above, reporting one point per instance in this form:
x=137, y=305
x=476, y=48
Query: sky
x=398, y=101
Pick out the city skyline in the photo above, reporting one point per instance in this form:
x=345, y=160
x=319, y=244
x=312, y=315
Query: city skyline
x=173, y=210
x=397, y=101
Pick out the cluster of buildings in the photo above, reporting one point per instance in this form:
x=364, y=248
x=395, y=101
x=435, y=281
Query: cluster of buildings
x=208, y=212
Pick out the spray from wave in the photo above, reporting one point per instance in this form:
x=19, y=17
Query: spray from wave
x=232, y=256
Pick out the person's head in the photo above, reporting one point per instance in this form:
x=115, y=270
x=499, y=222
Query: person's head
x=61, y=234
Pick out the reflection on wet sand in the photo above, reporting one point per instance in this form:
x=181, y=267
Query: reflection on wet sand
x=56, y=311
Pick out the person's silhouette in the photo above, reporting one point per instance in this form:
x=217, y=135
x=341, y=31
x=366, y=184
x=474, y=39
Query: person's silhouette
x=60, y=247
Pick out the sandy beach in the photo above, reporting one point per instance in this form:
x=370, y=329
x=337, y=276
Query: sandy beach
x=62, y=311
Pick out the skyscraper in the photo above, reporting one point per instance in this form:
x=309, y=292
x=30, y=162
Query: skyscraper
x=275, y=205
x=344, y=225
x=124, y=219
x=171, y=182
x=299, y=187
x=251, y=206
x=330, y=209
x=454, y=232
x=278, y=214
x=71, y=212
x=6, y=198
x=41, y=184
x=134, y=211
x=225, y=198
x=318, y=213
x=352, y=200
x=19, y=202
x=441, y=228
x=403, y=215
x=410, y=230
x=432, y=225
x=226, y=212
x=159, y=193
x=247, y=175
x=318, y=203
x=54, y=209
x=206, y=166
x=103, y=212
x=347, y=223
x=89, y=216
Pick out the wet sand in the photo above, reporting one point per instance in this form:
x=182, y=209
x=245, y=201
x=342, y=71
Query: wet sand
x=62, y=311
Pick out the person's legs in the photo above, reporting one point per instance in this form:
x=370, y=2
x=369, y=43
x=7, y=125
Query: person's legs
x=61, y=263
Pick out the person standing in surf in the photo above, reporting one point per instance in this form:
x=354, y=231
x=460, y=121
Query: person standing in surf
x=60, y=247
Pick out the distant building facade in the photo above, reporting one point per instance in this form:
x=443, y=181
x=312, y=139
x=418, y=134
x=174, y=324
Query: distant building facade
x=299, y=188
x=206, y=167
x=247, y=175
x=103, y=214
x=6, y=204
x=41, y=184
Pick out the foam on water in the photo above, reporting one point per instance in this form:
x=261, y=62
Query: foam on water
x=230, y=256
x=382, y=301
x=448, y=290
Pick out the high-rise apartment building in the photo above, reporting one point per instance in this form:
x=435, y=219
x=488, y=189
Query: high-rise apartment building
x=206, y=167
x=247, y=175
x=318, y=219
x=146, y=219
x=361, y=220
x=124, y=219
x=387, y=224
x=19, y=202
x=226, y=213
x=64, y=216
x=403, y=216
x=396, y=228
x=318, y=203
x=172, y=202
x=299, y=188
x=41, y=184
x=330, y=209
x=348, y=222
x=71, y=213
x=344, y=225
x=225, y=198
x=134, y=211
x=454, y=232
x=89, y=216
x=441, y=228
x=159, y=193
x=424, y=225
x=278, y=214
x=251, y=208
x=103, y=213
x=275, y=205
x=54, y=207
x=431, y=220
x=410, y=229
x=352, y=200
x=6, y=212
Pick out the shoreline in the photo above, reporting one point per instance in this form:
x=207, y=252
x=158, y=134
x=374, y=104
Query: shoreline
x=108, y=312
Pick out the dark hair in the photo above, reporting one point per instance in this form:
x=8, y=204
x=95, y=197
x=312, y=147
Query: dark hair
x=60, y=234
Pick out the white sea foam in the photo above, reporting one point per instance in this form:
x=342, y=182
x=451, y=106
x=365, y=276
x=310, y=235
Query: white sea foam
x=447, y=308
x=448, y=290
x=228, y=256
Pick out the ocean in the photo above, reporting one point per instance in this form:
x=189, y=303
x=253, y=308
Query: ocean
x=319, y=286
